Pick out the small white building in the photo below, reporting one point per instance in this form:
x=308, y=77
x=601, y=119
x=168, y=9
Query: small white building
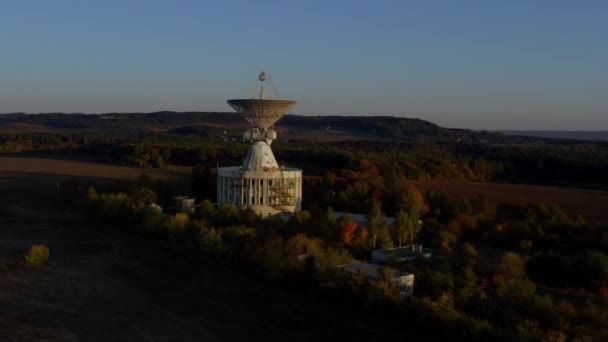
x=184, y=204
x=404, y=280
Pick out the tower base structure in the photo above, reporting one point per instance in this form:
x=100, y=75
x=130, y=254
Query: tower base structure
x=266, y=192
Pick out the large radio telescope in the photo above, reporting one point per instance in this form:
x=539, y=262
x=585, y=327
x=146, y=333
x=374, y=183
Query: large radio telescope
x=260, y=183
x=261, y=113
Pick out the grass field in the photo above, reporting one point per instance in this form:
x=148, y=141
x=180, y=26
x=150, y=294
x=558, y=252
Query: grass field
x=104, y=284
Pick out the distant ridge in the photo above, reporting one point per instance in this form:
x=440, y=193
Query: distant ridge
x=292, y=127
x=182, y=123
x=574, y=135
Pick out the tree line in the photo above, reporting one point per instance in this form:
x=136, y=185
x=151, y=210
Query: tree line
x=573, y=164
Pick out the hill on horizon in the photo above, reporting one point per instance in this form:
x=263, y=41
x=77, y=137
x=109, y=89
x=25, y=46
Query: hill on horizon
x=290, y=127
x=561, y=134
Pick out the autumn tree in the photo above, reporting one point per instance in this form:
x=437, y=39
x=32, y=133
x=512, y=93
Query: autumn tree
x=175, y=226
x=378, y=228
x=512, y=265
x=401, y=226
x=412, y=201
x=406, y=226
x=205, y=209
x=142, y=196
x=361, y=237
x=347, y=231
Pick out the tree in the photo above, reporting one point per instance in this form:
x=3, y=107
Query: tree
x=249, y=216
x=37, y=255
x=226, y=214
x=376, y=223
x=331, y=215
x=301, y=246
x=516, y=289
x=347, y=231
x=512, y=265
x=143, y=196
x=114, y=206
x=175, y=227
x=384, y=283
x=467, y=285
x=158, y=162
x=329, y=181
x=445, y=240
x=592, y=269
x=402, y=222
x=331, y=259
x=384, y=238
x=472, y=256
x=205, y=209
x=361, y=238
x=92, y=194
x=412, y=200
x=150, y=220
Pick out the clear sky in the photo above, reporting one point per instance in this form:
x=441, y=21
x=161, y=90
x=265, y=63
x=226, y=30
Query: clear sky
x=487, y=64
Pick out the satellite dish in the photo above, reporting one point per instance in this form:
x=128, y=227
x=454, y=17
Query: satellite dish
x=261, y=113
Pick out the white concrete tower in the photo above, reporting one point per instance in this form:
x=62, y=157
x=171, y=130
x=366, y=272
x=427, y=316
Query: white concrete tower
x=261, y=183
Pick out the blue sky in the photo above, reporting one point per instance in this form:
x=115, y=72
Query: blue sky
x=527, y=64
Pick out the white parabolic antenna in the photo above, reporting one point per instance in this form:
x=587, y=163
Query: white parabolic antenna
x=261, y=113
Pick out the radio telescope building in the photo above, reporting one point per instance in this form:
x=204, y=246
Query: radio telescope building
x=260, y=182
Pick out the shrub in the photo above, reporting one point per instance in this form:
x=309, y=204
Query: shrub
x=175, y=227
x=37, y=255
x=516, y=289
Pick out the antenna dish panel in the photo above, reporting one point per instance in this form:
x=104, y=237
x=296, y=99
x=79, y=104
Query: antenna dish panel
x=262, y=113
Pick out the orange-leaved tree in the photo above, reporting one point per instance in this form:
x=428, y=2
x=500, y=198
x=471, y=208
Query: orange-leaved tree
x=347, y=232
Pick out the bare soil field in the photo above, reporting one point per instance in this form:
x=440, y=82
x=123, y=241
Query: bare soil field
x=107, y=284
x=592, y=205
x=22, y=127
x=73, y=168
